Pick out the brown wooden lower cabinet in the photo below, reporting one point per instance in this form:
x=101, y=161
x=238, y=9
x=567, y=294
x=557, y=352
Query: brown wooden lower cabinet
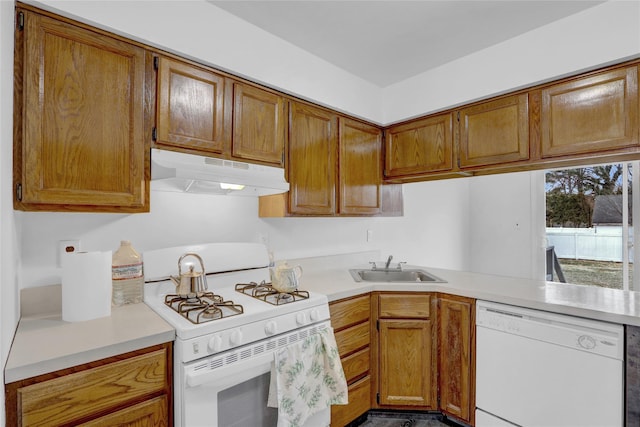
x=406, y=351
x=456, y=356
x=406, y=365
x=350, y=319
x=152, y=412
x=130, y=389
x=359, y=403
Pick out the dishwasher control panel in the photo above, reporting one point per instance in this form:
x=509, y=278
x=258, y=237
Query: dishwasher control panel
x=589, y=335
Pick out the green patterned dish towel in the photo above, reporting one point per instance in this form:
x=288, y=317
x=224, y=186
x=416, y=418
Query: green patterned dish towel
x=306, y=378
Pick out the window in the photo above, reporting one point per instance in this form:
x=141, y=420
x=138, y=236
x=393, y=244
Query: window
x=589, y=224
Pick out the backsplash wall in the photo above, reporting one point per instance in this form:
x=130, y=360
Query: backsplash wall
x=432, y=232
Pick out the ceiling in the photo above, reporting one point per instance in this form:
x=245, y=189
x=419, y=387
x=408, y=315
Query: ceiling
x=385, y=42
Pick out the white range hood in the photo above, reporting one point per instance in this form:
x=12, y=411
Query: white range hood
x=188, y=173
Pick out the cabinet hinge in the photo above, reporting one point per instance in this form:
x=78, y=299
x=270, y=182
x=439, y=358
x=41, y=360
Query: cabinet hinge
x=458, y=115
x=377, y=325
x=20, y=21
x=154, y=133
x=19, y=192
x=156, y=62
x=378, y=398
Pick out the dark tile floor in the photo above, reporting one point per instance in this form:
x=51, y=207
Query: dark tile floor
x=398, y=420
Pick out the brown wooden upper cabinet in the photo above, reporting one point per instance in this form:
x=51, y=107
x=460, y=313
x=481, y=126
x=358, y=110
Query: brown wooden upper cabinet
x=313, y=138
x=259, y=125
x=494, y=132
x=79, y=120
x=191, y=107
x=590, y=114
x=360, y=168
x=419, y=147
x=334, y=168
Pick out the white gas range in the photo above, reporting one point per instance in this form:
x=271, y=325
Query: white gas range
x=225, y=341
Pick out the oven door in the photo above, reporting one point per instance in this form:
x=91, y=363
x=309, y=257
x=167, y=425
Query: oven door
x=232, y=389
x=235, y=395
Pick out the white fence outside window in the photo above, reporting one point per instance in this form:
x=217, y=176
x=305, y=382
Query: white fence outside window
x=602, y=243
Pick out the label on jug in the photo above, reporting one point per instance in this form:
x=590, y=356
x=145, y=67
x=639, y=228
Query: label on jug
x=124, y=272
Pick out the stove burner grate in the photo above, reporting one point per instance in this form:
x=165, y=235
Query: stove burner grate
x=265, y=292
x=203, y=307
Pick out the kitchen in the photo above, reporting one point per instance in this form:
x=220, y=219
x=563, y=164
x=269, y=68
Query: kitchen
x=446, y=237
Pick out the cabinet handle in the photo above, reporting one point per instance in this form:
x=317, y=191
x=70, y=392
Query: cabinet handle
x=20, y=21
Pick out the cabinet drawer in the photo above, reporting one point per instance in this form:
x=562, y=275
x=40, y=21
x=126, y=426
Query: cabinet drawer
x=352, y=339
x=356, y=364
x=359, y=403
x=71, y=397
x=152, y=412
x=349, y=312
x=405, y=306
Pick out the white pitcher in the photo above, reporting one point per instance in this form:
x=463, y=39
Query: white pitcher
x=286, y=278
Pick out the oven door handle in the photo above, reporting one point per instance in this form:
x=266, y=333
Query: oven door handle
x=234, y=373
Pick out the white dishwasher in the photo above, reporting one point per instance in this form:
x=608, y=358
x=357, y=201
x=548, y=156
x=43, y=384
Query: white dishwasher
x=535, y=368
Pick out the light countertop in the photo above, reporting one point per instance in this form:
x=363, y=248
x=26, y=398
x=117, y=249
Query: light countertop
x=45, y=343
x=333, y=279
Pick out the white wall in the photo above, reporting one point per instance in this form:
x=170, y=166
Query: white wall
x=202, y=31
x=598, y=35
x=506, y=224
x=431, y=232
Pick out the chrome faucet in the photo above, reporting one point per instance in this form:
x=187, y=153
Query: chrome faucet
x=386, y=266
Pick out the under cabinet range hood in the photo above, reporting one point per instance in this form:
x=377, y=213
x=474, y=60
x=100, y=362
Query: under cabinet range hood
x=189, y=173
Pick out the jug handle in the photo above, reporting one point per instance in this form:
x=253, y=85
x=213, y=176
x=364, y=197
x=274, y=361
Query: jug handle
x=298, y=273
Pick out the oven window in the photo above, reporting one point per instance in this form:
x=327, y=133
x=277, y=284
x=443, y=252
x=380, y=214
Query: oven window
x=245, y=404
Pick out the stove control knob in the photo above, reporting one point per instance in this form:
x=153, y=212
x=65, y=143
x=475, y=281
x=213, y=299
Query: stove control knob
x=215, y=344
x=271, y=328
x=236, y=337
x=301, y=319
x=315, y=315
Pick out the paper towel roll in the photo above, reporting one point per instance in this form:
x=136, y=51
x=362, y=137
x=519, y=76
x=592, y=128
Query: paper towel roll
x=86, y=286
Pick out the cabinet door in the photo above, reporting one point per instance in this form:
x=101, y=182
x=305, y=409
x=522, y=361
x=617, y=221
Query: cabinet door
x=190, y=107
x=259, y=124
x=406, y=363
x=312, y=160
x=494, y=132
x=360, y=168
x=590, y=114
x=81, y=142
x=419, y=147
x=456, y=372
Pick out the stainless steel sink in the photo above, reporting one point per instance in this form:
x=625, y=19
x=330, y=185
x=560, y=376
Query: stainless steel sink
x=392, y=275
